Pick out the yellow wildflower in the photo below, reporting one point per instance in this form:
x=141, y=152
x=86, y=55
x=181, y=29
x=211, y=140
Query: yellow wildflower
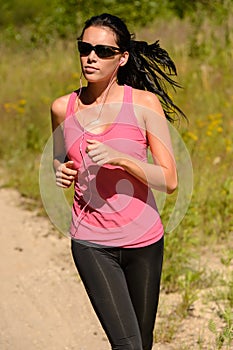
x=20, y=110
x=193, y=136
x=22, y=102
x=7, y=106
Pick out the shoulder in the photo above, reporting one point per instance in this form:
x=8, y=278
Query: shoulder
x=58, y=108
x=148, y=100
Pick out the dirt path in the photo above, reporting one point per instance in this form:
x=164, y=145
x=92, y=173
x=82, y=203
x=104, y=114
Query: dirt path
x=42, y=302
x=43, y=305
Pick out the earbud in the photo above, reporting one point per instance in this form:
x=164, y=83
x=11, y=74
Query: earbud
x=122, y=60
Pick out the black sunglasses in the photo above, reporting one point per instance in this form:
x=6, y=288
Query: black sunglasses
x=102, y=51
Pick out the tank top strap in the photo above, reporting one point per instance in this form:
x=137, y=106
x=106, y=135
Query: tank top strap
x=127, y=94
x=70, y=105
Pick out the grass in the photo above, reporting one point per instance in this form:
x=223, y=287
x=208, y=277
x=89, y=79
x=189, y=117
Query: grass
x=33, y=78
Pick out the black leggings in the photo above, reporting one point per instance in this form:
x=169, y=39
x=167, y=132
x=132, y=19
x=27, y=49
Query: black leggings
x=123, y=286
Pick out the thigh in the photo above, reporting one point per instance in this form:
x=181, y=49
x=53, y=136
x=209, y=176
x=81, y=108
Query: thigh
x=107, y=289
x=143, y=273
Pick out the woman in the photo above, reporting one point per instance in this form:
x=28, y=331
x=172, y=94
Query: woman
x=101, y=136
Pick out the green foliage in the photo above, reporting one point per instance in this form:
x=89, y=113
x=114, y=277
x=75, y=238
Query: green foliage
x=222, y=327
x=189, y=292
x=19, y=13
x=75, y=12
x=134, y=12
x=192, y=8
x=176, y=264
x=204, y=38
x=48, y=20
x=223, y=336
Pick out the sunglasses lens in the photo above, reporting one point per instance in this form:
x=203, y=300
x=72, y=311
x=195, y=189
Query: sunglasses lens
x=84, y=48
x=102, y=51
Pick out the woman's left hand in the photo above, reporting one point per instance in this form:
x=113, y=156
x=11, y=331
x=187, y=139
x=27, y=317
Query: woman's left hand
x=101, y=154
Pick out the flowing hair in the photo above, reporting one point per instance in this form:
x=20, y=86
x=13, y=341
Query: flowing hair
x=149, y=67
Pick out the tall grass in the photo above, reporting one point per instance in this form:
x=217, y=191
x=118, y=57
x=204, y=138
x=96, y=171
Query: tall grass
x=32, y=79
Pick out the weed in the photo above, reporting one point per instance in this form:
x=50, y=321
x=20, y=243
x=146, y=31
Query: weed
x=223, y=336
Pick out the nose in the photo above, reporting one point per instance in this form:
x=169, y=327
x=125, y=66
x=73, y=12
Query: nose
x=92, y=56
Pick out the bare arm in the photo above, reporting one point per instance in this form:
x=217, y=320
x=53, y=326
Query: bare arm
x=64, y=171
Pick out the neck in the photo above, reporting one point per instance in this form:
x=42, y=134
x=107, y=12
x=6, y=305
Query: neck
x=97, y=92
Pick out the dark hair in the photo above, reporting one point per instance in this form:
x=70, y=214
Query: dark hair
x=149, y=67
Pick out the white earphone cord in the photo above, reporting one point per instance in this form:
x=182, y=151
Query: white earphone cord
x=80, y=217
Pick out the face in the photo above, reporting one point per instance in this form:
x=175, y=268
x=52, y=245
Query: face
x=95, y=68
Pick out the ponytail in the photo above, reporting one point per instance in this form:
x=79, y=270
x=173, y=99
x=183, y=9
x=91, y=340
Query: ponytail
x=150, y=67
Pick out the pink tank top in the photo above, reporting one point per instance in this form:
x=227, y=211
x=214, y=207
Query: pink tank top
x=111, y=207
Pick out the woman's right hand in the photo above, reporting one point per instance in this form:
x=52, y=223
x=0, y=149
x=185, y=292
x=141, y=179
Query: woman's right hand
x=65, y=174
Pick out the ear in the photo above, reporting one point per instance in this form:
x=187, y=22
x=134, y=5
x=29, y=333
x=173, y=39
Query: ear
x=124, y=59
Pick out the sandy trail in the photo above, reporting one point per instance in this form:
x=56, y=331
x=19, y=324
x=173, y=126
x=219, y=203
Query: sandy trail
x=42, y=302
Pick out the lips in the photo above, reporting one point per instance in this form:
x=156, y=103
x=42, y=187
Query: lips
x=90, y=69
